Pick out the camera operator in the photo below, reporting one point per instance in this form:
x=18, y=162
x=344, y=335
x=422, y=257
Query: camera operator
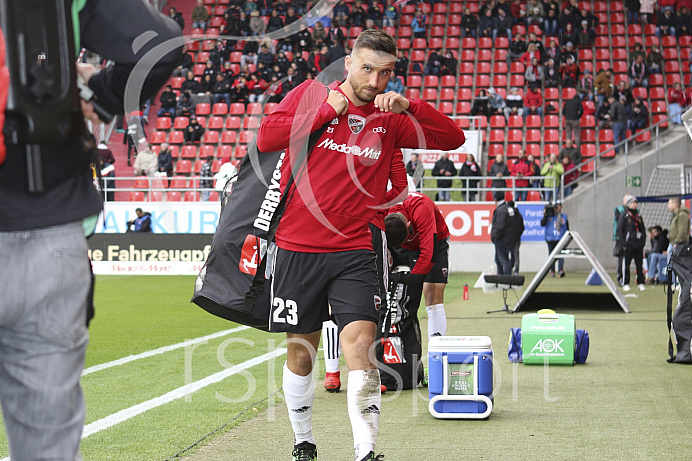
x=555, y=223
x=142, y=223
x=45, y=277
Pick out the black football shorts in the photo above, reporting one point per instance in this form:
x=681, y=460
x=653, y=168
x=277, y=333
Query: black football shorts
x=440, y=271
x=310, y=288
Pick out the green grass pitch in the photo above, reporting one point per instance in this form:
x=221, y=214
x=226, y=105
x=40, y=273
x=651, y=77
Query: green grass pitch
x=626, y=402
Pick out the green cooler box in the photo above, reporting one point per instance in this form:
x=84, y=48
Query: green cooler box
x=547, y=338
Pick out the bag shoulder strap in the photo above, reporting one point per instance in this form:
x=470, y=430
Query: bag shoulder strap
x=669, y=309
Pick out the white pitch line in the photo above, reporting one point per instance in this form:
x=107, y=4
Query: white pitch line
x=124, y=415
x=161, y=350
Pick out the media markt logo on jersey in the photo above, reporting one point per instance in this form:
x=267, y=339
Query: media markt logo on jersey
x=356, y=123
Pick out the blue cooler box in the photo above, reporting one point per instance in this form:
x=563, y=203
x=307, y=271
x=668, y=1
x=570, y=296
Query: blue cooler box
x=460, y=377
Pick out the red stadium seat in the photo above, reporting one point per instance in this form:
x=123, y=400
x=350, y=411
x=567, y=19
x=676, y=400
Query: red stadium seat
x=414, y=81
x=605, y=136
x=228, y=137
x=240, y=151
x=232, y=123
x=550, y=121
x=206, y=151
x=417, y=56
x=588, y=121
x=568, y=93
x=163, y=123
x=658, y=107
x=483, y=68
x=181, y=123
x=183, y=167
x=173, y=196
x=588, y=150
x=482, y=81
x=431, y=81
x=448, y=81
x=534, y=121
x=254, y=108
x=210, y=137
x=412, y=93
x=464, y=94
x=237, y=108
x=516, y=80
x=215, y=123
x=515, y=136
x=178, y=182
x=588, y=136
x=158, y=137
x=502, y=42
x=672, y=78
x=403, y=43
x=452, y=43
x=250, y=122
x=220, y=109
x=430, y=95
x=446, y=94
x=671, y=66
x=655, y=93
x=246, y=136
x=176, y=137
x=533, y=136
x=497, y=121
x=463, y=108
x=190, y=196
x=136, y=196
x=515, y=121
x=551, y=136
x=467, y=68
x=485, y=55
x=225, y=151
x=497, y=136
x=499, y=81
x=446, y=108
x=655, y=80
x=500, y=68
x=500, y=55
x=189, y=152
x=420, y=44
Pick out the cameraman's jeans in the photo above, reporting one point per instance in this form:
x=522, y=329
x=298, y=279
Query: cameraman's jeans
x=44, y=281
x=502, y=258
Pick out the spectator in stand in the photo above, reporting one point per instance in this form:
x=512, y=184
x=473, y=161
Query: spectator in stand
x=249, y=55
x=480, y=104
x=206, y=182
x=503, y=5
x=646, y=11
x=257, y=25
x=244, y=24
x=565, y=18
x=569, y=73
x=603, y=115
x=341, y=14
x=533, y=39
x=572, y=110
x=518, y=11
x=185, y=107
x=375, y=13
x=496, y=102
x=571, y=175
x=638, y=73
x=632, y=7
x=550, y=25
x=572, y=151
x=498, y=170
x=665, y=25
x=418, y=24
x=654, y=60
x=589, y=17
x=319, y=35
x=434, y=62
x=395, y=84
x=444, y=167
x=486, y=24
x=256, y=87
x=358, y=15
x=552, y=170
x=535, y=171
x=585, y=86
x=503, y=25
x=166, y=161
x=146, y=162
x=469, y=24
x=184, y=66
x=677, y=100
x=206, y=86
x=640, y=115
x=514, y=103
x=280, y=6
x=193, y=132
x=533, y=102
x=470, y=169
x=275, y=22
x=265, y=56
x=210, y=70
x=535, y=14
x=487, y=5
x=534, y=72
x=168, y=101
x=240, y=92
x=637, y=50
x=391, y=14
x=618, y=117
x=200, y=16
x=568, y=52
x=250, y=6
x=265, y=7
x=568, y=35
x=552, y=52
x=602, y=87
x=683, y=21
x=517, y=48
x=401, y=64
x=531, y=53
x=551, y=74
x=413, y=164
x=275, y=90
x=585, y=35
x=449, y=64
x=177, y=17
x=222, y=91
x=520, y=170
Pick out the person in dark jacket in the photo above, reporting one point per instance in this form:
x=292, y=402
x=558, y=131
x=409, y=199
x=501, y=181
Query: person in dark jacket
x=168, y=102
x=413, y=164
x=640, y=115
x=221, y=91
x=505, y=233
x=499, y=169
x=444, y=167
x=656, y=259
x=166, y=161
x=572, y=110
x=45, y=277
x=618, y=117
x=194, y=131
x=632, y=236
x=555, y=225
x=142, y=223
x=480, y=104
x=468, y=169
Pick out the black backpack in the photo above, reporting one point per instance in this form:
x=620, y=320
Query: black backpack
x=399, y=339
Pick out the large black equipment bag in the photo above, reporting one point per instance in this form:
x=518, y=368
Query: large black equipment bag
x=681, y=321
x=398, y=347
x=232, y=282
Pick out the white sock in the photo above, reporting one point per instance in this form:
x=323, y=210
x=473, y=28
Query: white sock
x=330, y=345
x=364, y=403
x=437, y=320
x=300, y=393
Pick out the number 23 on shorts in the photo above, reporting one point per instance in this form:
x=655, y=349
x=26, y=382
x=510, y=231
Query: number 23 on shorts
x=291, y=308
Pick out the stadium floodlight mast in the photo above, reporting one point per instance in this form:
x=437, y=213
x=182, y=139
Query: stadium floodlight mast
x=687, y=121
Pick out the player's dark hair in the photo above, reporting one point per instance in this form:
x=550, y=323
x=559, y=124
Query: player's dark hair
x=396, y=230
x=375, y=40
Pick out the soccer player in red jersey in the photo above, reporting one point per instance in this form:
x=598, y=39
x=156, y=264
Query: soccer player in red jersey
x=325, y=267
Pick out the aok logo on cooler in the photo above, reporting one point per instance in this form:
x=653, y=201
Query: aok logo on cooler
x=548, y=346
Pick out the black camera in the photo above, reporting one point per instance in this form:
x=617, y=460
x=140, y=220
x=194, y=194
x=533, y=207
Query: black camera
x=549, y=210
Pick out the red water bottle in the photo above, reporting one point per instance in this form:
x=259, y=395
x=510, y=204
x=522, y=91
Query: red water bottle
x=466, y=292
